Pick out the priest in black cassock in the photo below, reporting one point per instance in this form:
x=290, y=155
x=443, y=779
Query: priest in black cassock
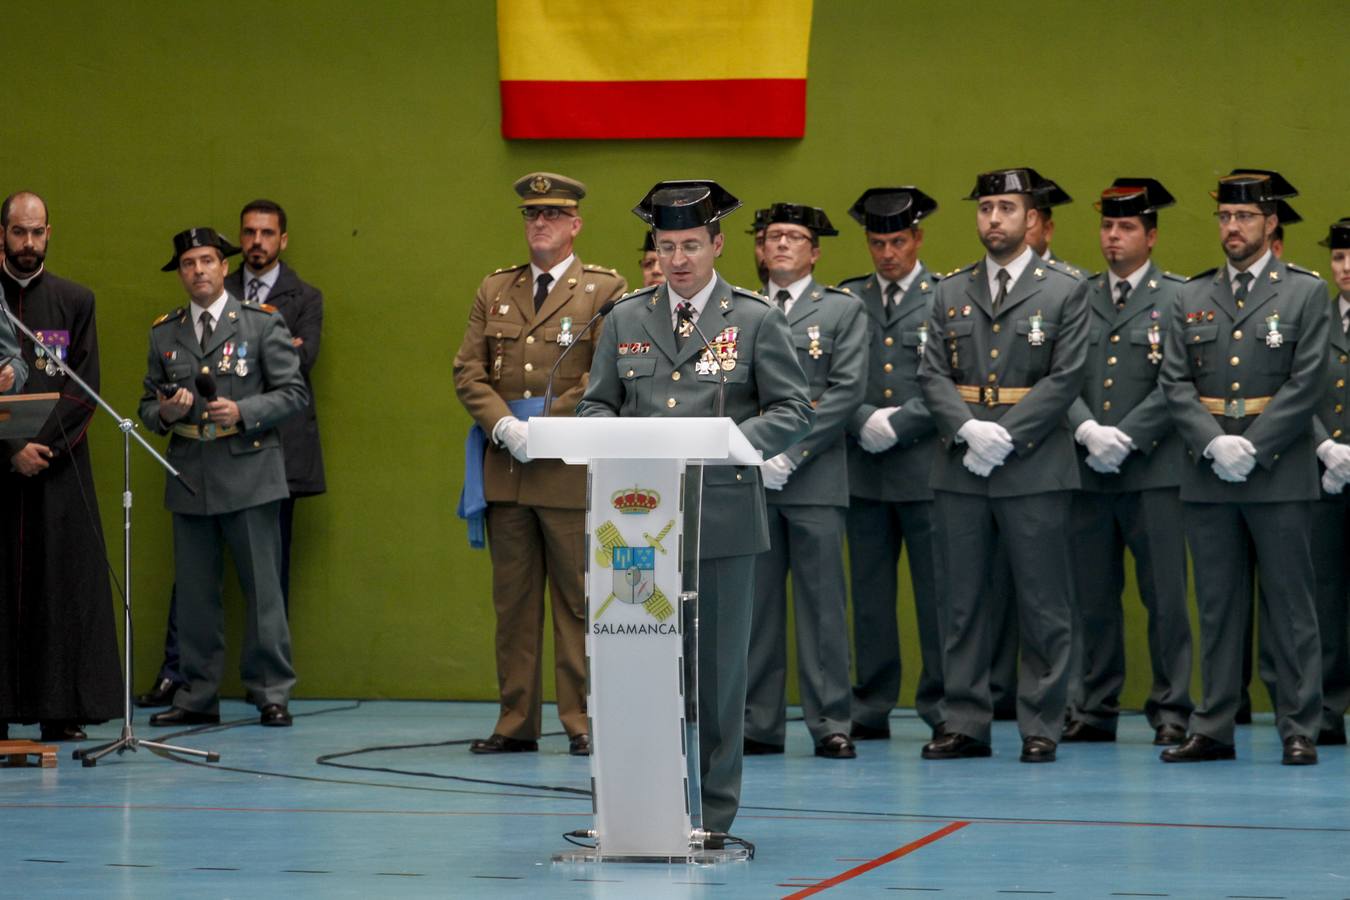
x=58, y=639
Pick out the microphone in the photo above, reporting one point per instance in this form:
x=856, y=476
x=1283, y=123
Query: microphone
x=206, y=386
x=604, y=310
x=685, y=311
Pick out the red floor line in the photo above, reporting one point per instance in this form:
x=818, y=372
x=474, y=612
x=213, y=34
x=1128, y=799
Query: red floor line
x=879, y=861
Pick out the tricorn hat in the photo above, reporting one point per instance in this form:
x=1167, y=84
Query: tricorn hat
x=1006, y=181
x=1127, y=197
x=193, y=238
x=761, y=221
x=884, y=210
x=810, y=217
x=677, y=205
x=1338, y=237
x=1049, y=194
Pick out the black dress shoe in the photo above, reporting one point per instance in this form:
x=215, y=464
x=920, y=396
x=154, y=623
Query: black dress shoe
x=1168, y=735
x=1080, y=732
x=860, y=732
x=500, y=743
x=836, y=746
x=579, y=745
x=752, y=747
x=275, y=715
x=1299, y=751
x=179, y=716
x=1243, y=717
x=939, y=730
x=955, y=746
x=62, y=731
x=1038, y=750
x=1198, y=748
x=159, y=695
x=1331, y=737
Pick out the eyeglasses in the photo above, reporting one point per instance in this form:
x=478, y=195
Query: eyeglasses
x=795, y=238
x=688, y=248
x=550, y=213
x=1242, y=218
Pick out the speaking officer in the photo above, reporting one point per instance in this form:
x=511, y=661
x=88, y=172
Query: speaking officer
x=523, y=317
x=673, y=374
x=1331, y=514
x=1130, y=459
x=891, y=445
x=227, y=446
x=807, y=495
x=1003, y=366
x=1242, y=371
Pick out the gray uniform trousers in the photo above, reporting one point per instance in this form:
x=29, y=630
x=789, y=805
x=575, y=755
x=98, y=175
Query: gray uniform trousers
x=1148, y=522
x=253, y=535
x=877, y=529
x=1330, y=529
x=725, y=585
x=809, y=540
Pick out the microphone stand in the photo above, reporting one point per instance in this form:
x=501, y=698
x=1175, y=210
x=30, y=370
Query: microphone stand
x=90, y=756
x=604, y=310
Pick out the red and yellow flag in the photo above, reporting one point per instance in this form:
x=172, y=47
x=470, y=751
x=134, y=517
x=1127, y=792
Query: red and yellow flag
x=620, y=69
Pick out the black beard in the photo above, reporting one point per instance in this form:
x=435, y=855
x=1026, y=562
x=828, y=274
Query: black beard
x=24, y=270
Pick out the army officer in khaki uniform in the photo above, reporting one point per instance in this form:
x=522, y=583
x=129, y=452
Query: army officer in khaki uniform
x=522, y=319
x=1242, y=370
x=652, y=362
x=1008, y=340
x=221, y=375
x=807, y=494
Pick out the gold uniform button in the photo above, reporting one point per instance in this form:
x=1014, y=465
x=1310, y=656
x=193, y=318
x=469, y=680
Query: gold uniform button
x=993, y=354
x=993, y=378
x=629, y=373
x=1031, y=445
x=1339, y=407
x=1276, y=456
x=671, y=402
x=529, y=367
x=1110, y=360
x=499, y=334
x=1336, y=433
x=527, y=395
x=530, y=339
x=887, y=393
x=1108, y=382
x=1235, y=386
x=674, y=376
x=738, y=476
x=1345, y=358
x=205, y=416
x=997, y=328
x=806, y=453
x=1106, y=406
x=257, y=444
x=1237, y=335
x=1115, y=339
x=887, y=368
x=1340, y=382
x=1234, y=361
x=206, y=369
x=890, y=340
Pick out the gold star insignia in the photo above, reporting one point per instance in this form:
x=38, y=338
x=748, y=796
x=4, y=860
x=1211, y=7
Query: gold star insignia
x=1038, y=273
x=923, y=285
x=1274, y=276
x=725, y=304
x=1152, y=283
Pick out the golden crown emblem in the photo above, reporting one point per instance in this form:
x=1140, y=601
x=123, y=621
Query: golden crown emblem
x=541, y=185
x=635, y=501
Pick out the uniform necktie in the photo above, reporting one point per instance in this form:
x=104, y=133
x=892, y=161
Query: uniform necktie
x=892, y=292
x=1244, y=280
x=1345, y=324
x=782, y=298
x=541, y=290
x=1003, y=279
x=1122, y=294
x=206, y=329
x=254, y=285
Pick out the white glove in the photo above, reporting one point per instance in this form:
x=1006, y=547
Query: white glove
x=510, y=432
x=1331, y=484
x=1336, y=457
x=977, y=464
x=1107, y=446
x=877, y=434
x=989, y=440
x=1234, y=457
x=776, y=471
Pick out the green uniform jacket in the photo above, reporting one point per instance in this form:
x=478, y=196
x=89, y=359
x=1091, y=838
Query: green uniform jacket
x=895, y=339
x=766, y=395
x=245, y=469
x=1216, y=350
x=1125, y=352
x=968, y=345
x=829, y=331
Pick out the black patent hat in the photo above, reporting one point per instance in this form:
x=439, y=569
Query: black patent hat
x=1049, y=194
x=886, y=210
x=648, y=243
x=1006, y=181
x=1128, y=197
x=1253, y=186
x=809, y=217
x=677, y=205
x=1338, y=237
x=193, y=238
x=761, y=221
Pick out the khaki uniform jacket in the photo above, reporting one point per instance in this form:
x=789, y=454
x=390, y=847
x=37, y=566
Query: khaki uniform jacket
x=506, y=355
x=1124, y=358
x=1037, y=341
x=638, y=371
x=1218, y=351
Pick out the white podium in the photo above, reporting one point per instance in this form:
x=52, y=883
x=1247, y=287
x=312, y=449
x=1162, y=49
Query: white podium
x=644, y=486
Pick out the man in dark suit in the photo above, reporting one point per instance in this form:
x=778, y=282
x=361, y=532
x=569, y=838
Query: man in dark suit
x=228, y=446
x=1003, y=365
x=1242, y=371
x=807, y=495
x=672, y=373
x=1130, y=458
x=891, y=445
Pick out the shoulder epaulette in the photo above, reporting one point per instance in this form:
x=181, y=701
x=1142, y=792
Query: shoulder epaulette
x=962, y=270
x=1173, y=276
x=640, y=292
x=838, y=290
x=746, y=292
x=1204, y=274
x=844, y=284
x=258, y=307
x=936, y=276
x=1295, y=268
x=509, y=268
x=1064, y=268
x=604, y=269
x=1096, y=276
x=166, y=317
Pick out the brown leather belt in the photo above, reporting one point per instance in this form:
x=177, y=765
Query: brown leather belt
x=1235, y=407
x=204, y=433
x=991, y=395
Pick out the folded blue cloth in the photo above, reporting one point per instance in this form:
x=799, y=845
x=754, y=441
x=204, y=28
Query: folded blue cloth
x=472, y=504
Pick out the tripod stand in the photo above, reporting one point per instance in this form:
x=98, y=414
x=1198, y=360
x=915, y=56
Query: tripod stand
x=127, y=741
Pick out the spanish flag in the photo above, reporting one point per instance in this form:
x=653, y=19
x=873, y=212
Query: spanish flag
x=619, y=69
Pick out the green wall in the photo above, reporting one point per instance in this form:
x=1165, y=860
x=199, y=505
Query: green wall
x=377, y=126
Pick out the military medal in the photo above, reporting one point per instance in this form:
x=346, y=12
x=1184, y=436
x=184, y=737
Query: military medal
x=241, y=367
x=1036, y=337
x=922, y=334
x=1154, y=344
x=728, y=363
x=813, y=332
x=623, y=349
x=965, y=310
x=57, y=344
x=951, y=312
x=565, y=336
x=503, y=309
x=705, y=364
x=1274, y=340
x=686, y=327
x=223, y=367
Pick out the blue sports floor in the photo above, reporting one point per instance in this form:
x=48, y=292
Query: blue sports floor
x=430, y=820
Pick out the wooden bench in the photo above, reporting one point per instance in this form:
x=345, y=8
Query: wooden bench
x=17, y=753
